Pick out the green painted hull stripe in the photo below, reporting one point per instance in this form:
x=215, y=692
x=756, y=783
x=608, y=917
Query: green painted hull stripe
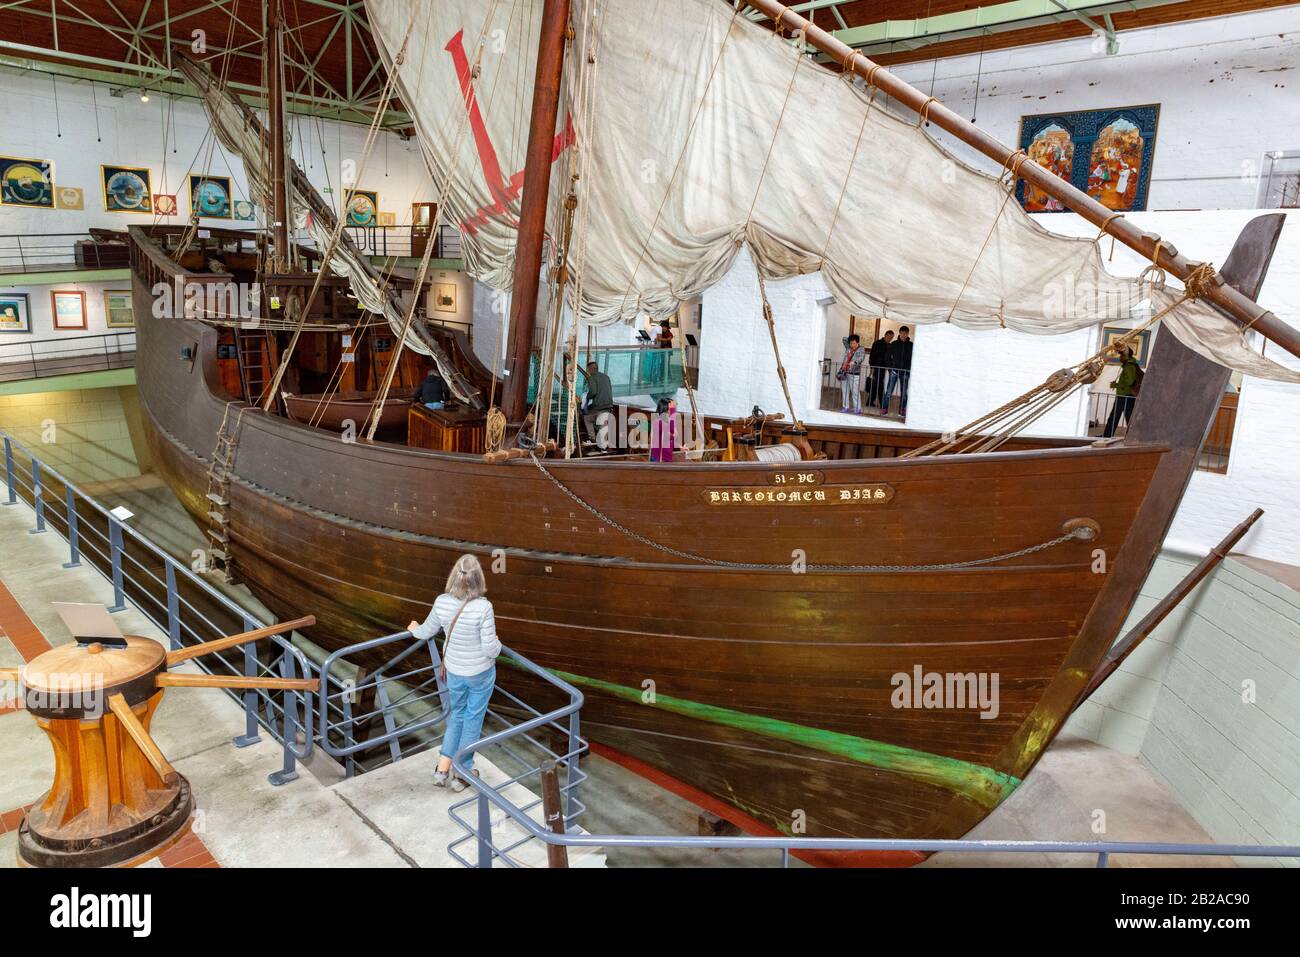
x=981, y=784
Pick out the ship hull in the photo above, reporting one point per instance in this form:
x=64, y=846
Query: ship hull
x=774, y=691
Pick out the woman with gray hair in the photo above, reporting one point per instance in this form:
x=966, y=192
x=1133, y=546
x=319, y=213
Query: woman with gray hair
x=470, y=649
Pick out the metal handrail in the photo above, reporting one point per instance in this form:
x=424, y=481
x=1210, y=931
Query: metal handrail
x=113, y=567
x=28, y=251
x=49, y=357
x=488, y=795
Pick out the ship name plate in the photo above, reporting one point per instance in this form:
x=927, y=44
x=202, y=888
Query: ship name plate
x=874, y=493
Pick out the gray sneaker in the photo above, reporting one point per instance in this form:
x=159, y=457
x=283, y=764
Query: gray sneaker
x=459, y=784
x=440, y=779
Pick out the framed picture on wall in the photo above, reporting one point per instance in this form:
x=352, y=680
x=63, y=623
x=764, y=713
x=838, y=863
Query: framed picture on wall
x=244, y=211
x=71, y=197
x=444, y=296
x=1141, y=348
x=26, y=182
x=119, y=310
x=210, y=196
x=164, y=204
x=1105, y=153
x=361, y=206
x=69, y=308
x=15, y=315
x=126, y=189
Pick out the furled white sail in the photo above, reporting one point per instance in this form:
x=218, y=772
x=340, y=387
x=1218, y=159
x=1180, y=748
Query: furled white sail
x=698, y=131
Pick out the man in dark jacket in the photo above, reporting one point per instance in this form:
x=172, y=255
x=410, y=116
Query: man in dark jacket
x=879, y=360
x=598, y=401
x=900, y=371
x=433, y=391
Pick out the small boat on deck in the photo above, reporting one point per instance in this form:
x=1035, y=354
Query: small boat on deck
x=334, y=410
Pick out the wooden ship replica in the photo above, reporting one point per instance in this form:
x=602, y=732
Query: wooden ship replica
x=974, y=552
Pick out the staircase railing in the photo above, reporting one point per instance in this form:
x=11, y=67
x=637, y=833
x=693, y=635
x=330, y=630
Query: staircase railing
x=381, y=700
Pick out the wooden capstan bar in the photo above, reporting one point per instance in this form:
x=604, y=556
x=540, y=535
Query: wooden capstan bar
x=116, y=801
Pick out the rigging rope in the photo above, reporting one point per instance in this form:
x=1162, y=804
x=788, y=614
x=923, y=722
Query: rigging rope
x=381, y=109
x=422, y=273
x=995, y=428
x=1074, y=534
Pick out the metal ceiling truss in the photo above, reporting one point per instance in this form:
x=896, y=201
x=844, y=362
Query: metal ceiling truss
x=893, y=36
x=151, y=37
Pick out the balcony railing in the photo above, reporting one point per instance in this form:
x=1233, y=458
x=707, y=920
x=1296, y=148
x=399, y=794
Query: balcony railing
x=881, y=391
x=61, y=252
x=402, y=242
x=44, y=358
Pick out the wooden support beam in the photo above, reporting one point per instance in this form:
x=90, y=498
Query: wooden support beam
x=221, y=644
x=557, y=855
x=1138, y=633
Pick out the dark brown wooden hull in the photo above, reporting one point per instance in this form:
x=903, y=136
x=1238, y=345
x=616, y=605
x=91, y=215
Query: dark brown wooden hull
x=772, y=689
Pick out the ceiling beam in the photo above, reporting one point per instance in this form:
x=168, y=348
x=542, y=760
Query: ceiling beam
x=898, y=35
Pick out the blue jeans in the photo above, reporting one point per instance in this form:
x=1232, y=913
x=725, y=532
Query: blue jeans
x=469, y=703
x=899, y=376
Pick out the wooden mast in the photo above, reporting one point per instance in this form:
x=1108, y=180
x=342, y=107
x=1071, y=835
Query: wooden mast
x=532, y=218
x=1237, y=306
x=275, y=108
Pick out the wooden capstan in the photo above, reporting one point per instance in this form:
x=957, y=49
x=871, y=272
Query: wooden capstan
x=115, y=801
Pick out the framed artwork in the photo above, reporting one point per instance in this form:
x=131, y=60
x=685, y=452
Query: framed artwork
x=1141, y=348
x=71, y=197
x=26, y=182
x=1106, y=153
x=244, y=210
x=444, y=296
x=210, y=196
x=119, y=309
x=361, y=206
x=15, y=315
x=387, y=219
x=164, y=204
x=126, y=189
x=69, y=309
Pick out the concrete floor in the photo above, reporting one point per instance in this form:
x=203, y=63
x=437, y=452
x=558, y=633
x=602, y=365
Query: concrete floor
x=391, y=817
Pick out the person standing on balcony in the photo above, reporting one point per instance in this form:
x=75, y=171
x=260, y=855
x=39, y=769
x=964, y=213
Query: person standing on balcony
x=470, y=650
x=850, y=374
x=879, y=360
x=1126, y=391
x=900, y=370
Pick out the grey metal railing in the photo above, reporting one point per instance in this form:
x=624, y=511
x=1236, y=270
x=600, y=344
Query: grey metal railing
x=392, y=710
x=480, y=829
x=22, y=360
x=37, y=252
x=173, y=597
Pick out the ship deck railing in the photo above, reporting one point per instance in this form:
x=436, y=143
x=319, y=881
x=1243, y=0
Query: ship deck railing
x=363, y=719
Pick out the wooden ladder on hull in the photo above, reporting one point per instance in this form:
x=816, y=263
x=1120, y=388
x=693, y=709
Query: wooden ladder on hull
x=220, y=560
x=253, y=351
